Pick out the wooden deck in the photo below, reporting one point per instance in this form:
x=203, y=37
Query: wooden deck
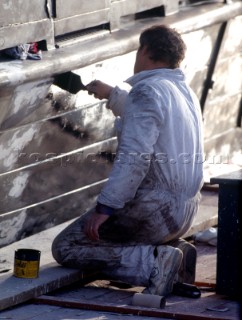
x=60, y=293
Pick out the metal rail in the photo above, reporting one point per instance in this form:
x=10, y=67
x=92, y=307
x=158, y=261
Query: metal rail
x=106, y=45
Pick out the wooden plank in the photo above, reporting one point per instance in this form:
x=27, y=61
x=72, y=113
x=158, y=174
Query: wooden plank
x=82, y=21
x=15, y=12
x=103, y=295
x=52, y=276
x=31, y=220
x=47, y=312
x=16, y=34
x=29, y=98
x=207, y=215
x=206, y=265
x=41, y=241
x=231, y=178
x=127, y=7
x=80, y=55
x=128, y=309
x=45, y=180
x=231, y=103
x=61, y=142
x=58, y=276
x=18, y=290
x=75, y=7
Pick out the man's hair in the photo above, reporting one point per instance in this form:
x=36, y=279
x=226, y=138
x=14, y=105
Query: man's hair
x=164, y=44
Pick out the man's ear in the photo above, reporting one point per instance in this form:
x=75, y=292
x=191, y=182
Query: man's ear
x=145, y=53
x=144, y=50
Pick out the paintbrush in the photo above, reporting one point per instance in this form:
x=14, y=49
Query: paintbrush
x=70, y=82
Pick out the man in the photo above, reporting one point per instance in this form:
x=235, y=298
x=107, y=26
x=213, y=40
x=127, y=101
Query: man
x=153, y=191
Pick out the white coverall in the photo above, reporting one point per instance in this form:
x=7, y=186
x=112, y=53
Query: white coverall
x=155, y=182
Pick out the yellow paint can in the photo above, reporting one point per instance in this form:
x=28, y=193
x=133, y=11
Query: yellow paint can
x=26, y=263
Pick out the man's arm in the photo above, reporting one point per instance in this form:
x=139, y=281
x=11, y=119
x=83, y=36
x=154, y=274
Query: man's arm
x=92, y=225
x=139, y=134
x=116, y=96
x=140, y=130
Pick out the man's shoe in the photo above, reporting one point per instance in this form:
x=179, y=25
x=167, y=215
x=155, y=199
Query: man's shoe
x=163, y=274
x=186, y=290
x=187, y=271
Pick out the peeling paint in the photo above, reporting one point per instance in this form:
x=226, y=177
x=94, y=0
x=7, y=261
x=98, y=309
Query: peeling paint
x=13, y=71
x=9, y=228
x=16, y=143
x=19, y=184
x=198, y=39
x=7, y=4
x=28, y=94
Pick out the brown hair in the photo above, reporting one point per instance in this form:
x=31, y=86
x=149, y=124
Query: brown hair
x=164, y=44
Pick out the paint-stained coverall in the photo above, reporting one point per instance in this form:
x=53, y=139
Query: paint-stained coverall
x=155, y=182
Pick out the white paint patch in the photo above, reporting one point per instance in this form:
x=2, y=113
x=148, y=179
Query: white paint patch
x=9, y=228
x=19, y=184
x=7, y=4
x=9, y=153
x=237, y=159
x=13, y=71
x=203, y=42
x=29, y=95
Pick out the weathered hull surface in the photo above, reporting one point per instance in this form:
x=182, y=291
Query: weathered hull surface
x=56, y=149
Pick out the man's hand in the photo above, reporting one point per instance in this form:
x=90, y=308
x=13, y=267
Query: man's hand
x=93, y=224
x=99, y=89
